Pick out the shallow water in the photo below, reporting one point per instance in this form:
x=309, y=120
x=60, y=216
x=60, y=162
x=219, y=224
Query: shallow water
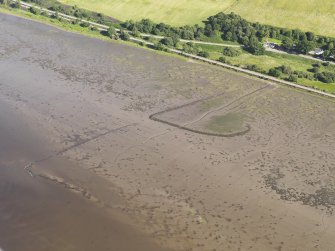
x=37, y=214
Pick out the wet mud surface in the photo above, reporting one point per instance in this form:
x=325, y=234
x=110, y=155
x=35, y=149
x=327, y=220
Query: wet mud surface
x=79, y=110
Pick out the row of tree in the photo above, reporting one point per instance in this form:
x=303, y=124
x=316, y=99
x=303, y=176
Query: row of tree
x=233, y=27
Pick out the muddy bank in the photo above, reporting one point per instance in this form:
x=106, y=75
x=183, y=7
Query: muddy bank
x=90, y=102
x=40, y=211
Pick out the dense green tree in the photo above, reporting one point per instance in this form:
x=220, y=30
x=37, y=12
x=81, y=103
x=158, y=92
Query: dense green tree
x=304, y=46
x=146, y=26
x=326, y=77
x=209, y=32
x=310, y=36
x=287, y=43
x=111, y=31
x=187, y=32
x=168, y=41
x=255, y=47
x=233, y=27
x=274, y=72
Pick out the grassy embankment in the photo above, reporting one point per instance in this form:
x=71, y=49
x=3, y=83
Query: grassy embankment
x=317, y=16
x=264, y=62
x=271, y=60
x=76, y=28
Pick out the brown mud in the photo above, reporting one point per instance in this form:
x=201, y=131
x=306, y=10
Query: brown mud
x=105, y=175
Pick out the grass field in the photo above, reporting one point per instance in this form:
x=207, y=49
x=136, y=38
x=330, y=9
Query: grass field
x=309, y=15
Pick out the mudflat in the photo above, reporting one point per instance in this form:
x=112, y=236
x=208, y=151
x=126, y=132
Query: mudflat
x=46, y=212
x=108, y=146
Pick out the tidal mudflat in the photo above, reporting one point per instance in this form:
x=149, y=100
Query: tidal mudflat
x=107, y=133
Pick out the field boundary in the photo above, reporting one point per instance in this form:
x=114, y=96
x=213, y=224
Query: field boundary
x=185, y=126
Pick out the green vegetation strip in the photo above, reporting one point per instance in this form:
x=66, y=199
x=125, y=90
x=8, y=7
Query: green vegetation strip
x=124, y=35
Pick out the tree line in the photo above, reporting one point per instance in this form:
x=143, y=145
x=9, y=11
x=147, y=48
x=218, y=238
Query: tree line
x=233, y=27
x=229, y=27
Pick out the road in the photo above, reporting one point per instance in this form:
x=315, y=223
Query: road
x=300, y=55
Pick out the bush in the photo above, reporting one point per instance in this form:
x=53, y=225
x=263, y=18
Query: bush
x=159, y=46
x=203, y=54
x=190, y=48
x=274, y=72
x=151, y=39
x=254, y=68
x=136, y=33
x=231, y=52
x=293, y=78
x=315, y=69
x=16, y=5
x=111, y=31
x=168, y=41
x=84, y=24
x=222, y=60
x=317, y=65
x=124, y=36
x=302, y=74
x=55, y=15
x=326, y=77
x=285, y=69
x=34, y=11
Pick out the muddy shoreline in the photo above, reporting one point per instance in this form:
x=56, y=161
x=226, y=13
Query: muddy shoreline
x=41, y=211
x=112, y=179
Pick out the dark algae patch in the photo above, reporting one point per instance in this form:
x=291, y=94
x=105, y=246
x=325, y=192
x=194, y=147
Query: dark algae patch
x=228, y=123
x=324, y=196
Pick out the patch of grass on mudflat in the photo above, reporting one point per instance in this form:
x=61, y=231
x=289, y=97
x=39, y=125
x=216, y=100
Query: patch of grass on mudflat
x=228, y=123
x=313, y=15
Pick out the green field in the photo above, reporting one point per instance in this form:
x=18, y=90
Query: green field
x=271, y=60
x=309, y=15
